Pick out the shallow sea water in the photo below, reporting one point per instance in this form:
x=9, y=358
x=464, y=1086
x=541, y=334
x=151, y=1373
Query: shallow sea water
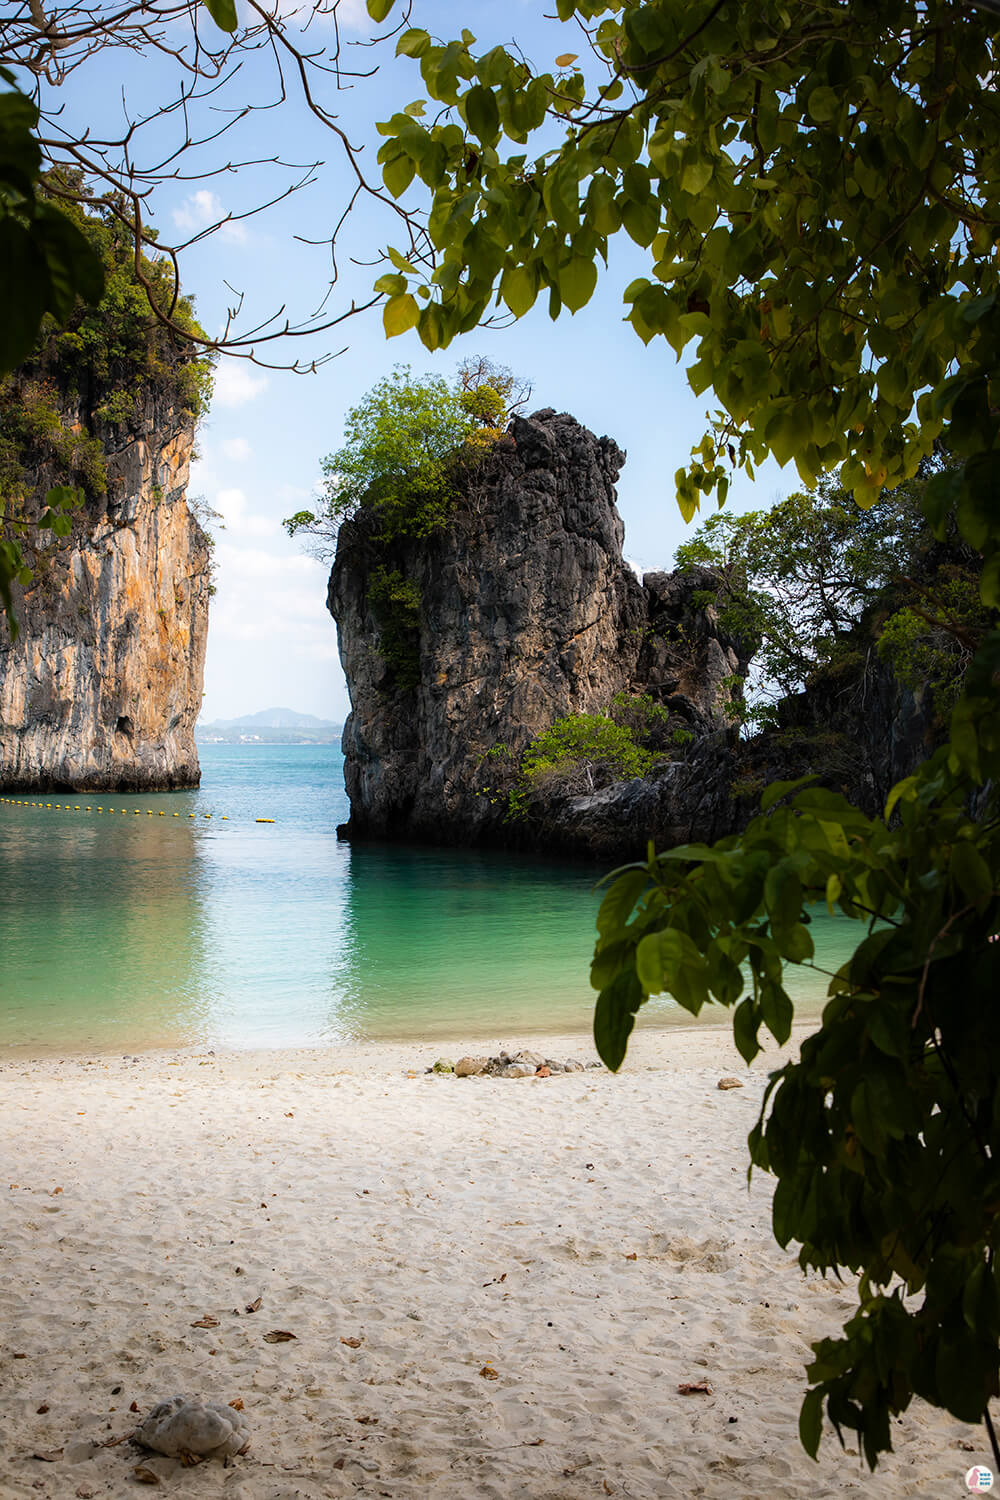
x=122, y=928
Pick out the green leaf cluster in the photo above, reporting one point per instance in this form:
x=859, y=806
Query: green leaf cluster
x=408, y=446
x=46, y=261
x=98, y=362
x=817, y=191
x=807, y=579
x=395, y=603
x=581, y=753
x=884, y=1136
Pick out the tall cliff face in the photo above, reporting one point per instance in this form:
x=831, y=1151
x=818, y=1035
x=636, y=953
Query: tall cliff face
x=520, y=612
x=103, y=684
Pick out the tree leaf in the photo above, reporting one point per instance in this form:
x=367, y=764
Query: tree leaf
x=223, y=13
x=482, y=113
x=400, y=314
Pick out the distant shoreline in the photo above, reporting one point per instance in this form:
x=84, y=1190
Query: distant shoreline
x=272, y=737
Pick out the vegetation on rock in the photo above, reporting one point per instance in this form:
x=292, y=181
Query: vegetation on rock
x=395, y=603
x=818, y=582
x=409, y=445
x=86, y=376
x=582, y=753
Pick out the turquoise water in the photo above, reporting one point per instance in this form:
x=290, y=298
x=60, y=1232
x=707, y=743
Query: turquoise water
x=123, y=929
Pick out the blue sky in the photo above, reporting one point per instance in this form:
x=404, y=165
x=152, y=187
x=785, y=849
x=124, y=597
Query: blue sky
x=271, y=641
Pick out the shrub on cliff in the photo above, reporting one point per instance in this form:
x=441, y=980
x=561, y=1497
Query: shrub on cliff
x=408, y=445
x=582, y=753
x=98, y=363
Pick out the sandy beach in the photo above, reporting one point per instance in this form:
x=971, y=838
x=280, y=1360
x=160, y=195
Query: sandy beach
x=495, y=1286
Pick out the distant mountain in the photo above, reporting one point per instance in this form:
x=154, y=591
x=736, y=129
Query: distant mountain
x=276, y=718
x=272, y=726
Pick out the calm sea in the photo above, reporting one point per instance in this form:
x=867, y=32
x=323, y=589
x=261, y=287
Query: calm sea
x=122, y=928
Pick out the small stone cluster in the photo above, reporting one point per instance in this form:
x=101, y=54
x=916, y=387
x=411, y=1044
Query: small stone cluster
x=520, y=1065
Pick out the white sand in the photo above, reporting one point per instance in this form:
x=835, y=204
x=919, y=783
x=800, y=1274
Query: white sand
x=589, y=1238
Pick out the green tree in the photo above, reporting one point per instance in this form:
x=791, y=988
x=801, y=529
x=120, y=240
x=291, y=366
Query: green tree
x=802, y=577
x=406, y=446
x=818, y=189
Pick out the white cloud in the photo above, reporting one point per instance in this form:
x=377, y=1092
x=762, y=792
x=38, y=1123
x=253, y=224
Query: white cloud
x=238, y=449
x=203, y=208
x=264, y=596
x=236, y=383
x=353, y=14
x=233, y=506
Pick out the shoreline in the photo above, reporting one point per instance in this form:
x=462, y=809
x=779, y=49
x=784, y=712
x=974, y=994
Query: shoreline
x=651, y=1037
x=494, y=1286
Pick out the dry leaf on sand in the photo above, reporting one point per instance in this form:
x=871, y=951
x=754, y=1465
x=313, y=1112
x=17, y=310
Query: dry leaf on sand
x=254, y=1306
x=237, y=1405
x=146, y=1476
x=488, y=1373
x=51, y=1457
x=206, y=1322
x=351, y=1343
x=279, y=1336
x=695, y=1388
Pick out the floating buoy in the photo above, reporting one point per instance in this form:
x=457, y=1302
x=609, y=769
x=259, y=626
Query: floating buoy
x=163, y=815
x=265, y=820
x=207, y=815
x=176, y=815
x=190, y=815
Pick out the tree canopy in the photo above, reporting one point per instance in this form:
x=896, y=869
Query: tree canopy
x=815, y=580
x=817, y=188
x=405, y=446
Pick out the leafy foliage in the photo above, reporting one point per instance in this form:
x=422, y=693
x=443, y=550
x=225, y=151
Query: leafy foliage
x=800, y=177
x=802, y=578
x=582, y=753
x=406, y=446
x=818, y=188
x=395, y=603
x=884, y=1136
x=929, y=642
x=102, y=360
x=46, y=262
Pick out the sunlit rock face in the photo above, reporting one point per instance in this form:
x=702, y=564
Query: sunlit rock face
x=102, y=687
x=527, y=613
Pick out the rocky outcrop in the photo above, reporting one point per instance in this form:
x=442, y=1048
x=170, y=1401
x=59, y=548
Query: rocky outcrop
x=103, y=684
x=858, y=730
x=520, y=612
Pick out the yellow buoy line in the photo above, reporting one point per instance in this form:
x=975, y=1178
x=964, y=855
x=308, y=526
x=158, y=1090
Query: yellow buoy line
x=94, y=807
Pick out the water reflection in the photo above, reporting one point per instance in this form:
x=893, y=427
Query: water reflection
x=101, y=926
x=447, y=942
x=122, y=931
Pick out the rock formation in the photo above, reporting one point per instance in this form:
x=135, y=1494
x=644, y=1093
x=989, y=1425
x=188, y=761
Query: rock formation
x=518, y=613
x=103, y=684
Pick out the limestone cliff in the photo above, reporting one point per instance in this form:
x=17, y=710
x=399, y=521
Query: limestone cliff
x=519, y=612
x=103, y=684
